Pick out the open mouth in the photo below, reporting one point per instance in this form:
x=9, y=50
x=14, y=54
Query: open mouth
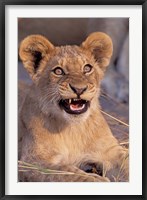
x=74, y=106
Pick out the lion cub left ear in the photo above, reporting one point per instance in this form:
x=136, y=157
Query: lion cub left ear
x=100, y=46
x=35, y=51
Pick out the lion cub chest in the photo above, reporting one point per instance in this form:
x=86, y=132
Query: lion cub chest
x=65, y=148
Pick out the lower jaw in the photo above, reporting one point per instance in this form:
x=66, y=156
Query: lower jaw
x=76, y=118
x=77, y=112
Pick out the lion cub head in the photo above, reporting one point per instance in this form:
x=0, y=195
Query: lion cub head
x=66, y=78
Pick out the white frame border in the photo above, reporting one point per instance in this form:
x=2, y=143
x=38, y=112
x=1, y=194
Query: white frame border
x=134, y=186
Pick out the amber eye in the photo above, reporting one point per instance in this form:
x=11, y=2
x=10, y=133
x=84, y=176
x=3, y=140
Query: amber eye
x=87, y=68
x=58, y=71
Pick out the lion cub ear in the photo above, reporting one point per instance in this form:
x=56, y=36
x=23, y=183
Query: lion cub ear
x=34, y=52
x=100, y=46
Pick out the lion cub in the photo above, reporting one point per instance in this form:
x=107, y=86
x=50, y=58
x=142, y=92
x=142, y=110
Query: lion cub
x=60, y=124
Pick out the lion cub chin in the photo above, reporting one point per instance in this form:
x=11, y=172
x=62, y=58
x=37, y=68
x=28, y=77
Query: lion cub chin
x=61, y=128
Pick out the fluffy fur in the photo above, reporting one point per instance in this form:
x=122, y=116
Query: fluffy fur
x=49, y=136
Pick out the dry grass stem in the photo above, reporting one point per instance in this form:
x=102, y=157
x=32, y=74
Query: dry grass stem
x=115, y=119
x=29, y=167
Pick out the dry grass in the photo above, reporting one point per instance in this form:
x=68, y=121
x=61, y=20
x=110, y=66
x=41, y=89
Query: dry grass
x=118, y=120
x=26, y=167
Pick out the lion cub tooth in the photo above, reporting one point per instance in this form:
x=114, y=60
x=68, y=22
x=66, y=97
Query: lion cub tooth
x=69, y=101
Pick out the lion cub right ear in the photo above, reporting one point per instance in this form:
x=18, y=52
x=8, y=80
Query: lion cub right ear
x=34, y=52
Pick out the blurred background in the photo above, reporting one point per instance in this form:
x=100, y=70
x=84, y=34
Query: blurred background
x=68, y=31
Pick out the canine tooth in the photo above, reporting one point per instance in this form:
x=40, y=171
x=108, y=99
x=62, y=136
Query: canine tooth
x=69, y=100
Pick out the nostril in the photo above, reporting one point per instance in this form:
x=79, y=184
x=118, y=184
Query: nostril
x=78, y=91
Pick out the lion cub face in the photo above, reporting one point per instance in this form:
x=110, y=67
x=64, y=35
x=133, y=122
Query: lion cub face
x=66, y=78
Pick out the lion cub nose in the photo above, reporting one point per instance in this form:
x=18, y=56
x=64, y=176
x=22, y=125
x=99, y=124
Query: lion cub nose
x=78, y=91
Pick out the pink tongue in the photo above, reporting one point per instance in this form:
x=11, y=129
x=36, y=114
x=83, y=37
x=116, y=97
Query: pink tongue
x=75, y=107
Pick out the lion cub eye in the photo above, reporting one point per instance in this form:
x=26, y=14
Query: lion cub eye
x=58, y=71
x=87, y=68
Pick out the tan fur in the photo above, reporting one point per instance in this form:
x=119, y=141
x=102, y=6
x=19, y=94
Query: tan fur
x=52, y=138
